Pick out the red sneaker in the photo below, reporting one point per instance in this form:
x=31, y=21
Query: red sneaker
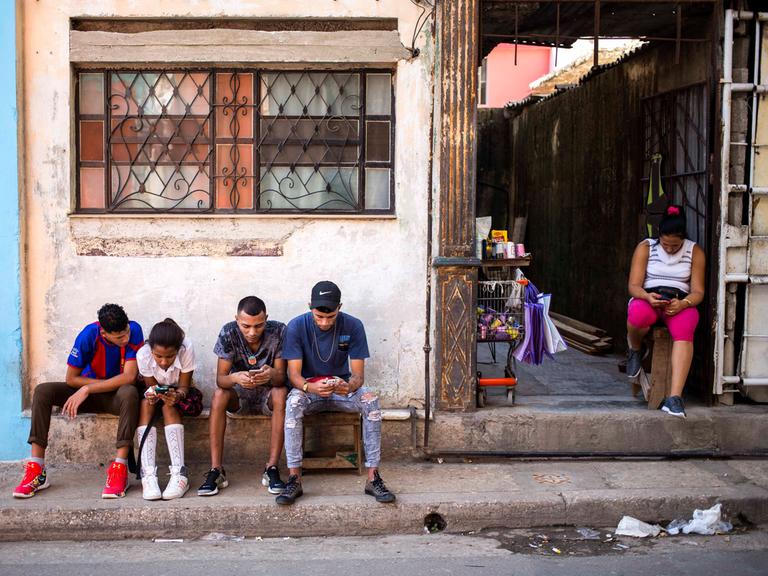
x=34, y=479
x=117, y=481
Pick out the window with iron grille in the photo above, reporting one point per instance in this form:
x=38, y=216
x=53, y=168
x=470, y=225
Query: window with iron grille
x=245, y=141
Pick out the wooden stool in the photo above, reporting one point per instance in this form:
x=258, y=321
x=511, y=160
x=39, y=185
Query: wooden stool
x=661, y=367
x=333, y=456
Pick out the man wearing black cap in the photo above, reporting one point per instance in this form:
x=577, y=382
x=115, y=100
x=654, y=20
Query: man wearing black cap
x=326, y=351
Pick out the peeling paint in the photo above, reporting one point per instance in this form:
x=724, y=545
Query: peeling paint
x=171, y=247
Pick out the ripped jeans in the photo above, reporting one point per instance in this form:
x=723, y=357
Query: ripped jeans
x=362, y=401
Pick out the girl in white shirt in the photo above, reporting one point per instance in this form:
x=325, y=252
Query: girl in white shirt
x=166, y=362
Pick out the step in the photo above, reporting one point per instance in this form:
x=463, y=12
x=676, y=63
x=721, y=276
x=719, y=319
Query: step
x=589, y=426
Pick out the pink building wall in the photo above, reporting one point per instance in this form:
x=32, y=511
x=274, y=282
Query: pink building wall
x=505, y=81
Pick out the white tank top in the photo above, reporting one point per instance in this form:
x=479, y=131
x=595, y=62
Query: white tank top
x=673, y=270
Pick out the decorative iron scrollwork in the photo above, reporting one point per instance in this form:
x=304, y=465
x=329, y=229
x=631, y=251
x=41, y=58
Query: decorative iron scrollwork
x=239, y=141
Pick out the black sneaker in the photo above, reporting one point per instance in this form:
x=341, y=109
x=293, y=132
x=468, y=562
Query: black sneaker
x=291, y=492
x=215, y=480
x=635, y=361
x=271, y=479
x=674, y=406
x=378, y=489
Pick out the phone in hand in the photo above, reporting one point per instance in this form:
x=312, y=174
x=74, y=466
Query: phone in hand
x=162, y=389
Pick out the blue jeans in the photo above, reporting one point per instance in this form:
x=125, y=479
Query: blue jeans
x=362, y=401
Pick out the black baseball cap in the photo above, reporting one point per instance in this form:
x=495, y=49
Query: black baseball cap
x=325, y=294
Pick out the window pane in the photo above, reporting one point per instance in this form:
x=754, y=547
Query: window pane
x=92, y=94
x=378, y=95
x=156, y=93
x=92, y=141
x=160, y=188
x=377, y=188
x=310, y=94
x=235, y=105
x=234, y=176
x=306, y=189
x=377, y=141
x=91, y=188
x=308, y=141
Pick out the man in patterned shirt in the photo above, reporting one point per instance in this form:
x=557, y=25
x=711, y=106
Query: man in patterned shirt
x=250, y=379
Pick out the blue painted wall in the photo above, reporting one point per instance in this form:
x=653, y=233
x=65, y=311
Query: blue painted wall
x=13, y=429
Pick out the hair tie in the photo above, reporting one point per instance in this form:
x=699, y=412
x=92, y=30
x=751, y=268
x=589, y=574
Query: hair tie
x=673, y=211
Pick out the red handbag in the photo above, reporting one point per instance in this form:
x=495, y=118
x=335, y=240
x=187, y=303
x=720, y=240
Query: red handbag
x=191, y=404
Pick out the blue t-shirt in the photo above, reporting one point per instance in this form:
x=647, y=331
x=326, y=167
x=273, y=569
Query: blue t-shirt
x=325, y=353
x=98, y=358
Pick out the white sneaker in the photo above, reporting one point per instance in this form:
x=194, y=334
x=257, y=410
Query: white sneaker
x=178, y=484
x=151, y=489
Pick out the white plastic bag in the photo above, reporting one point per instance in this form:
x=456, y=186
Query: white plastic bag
x=707, y=522
x=629, y=526
x=553, y=341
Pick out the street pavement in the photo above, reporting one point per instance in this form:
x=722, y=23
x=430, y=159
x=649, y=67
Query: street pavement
x=498, y=553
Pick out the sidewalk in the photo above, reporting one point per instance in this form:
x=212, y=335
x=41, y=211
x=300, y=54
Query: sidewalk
x=468, y=495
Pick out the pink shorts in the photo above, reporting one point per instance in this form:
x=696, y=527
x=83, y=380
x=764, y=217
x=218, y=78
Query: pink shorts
x=681, y=326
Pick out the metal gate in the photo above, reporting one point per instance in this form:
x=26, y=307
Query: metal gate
x=676, y=150
x=741, y=353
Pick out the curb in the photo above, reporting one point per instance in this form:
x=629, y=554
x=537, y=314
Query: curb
x=353, y=516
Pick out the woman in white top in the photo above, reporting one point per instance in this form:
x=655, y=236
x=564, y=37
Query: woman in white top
x=166, y=362
x=666, y=283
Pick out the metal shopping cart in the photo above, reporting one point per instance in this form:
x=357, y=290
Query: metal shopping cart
x=500, y=320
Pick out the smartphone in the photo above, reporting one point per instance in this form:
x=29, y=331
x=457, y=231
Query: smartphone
x=162, y=389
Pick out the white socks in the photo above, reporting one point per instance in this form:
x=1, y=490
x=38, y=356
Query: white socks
x=174, y=436
x=149, y=450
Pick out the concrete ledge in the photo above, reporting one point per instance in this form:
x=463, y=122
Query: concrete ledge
x=726, y=430
x=517, y=430
x=89, y=439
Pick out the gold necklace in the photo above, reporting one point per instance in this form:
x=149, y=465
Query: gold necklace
x=333, y=341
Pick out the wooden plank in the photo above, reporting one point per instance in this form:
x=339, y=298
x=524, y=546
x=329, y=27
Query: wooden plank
x=583, y=326
x=456, y=124
x=220, y=45
x=661, y=368
x=507, y=262
x=584, y=348
x=332, y=419
x=518, y=229
x=575, y=334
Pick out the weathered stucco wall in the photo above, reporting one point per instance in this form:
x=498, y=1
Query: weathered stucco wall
x=76, y=263
x=576, y=165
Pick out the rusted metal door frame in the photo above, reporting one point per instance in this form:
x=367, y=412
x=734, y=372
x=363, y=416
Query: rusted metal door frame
x=455, y=265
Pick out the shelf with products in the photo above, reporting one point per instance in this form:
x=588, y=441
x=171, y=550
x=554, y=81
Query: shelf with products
x=521, y=262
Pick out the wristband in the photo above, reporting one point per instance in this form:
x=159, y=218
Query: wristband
x=690, y=304
x=306, y=386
